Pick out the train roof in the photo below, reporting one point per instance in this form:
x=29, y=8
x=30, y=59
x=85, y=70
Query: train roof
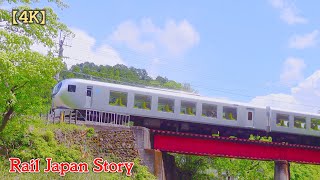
x=178, y=93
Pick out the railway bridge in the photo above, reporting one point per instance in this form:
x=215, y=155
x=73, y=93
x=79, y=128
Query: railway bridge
x=153, y=146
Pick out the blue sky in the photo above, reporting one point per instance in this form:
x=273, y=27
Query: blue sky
x=264, y=52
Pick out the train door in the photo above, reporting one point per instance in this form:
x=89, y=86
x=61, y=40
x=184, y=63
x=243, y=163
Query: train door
x=88, y=97
x=250, y=117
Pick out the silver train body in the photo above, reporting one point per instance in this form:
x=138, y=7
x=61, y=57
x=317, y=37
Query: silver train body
x=85, y=94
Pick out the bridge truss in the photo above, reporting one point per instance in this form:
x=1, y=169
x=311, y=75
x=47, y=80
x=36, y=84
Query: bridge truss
x=196, y=144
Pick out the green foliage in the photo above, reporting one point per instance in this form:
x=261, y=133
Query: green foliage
x=35, y=140
x=304, y=171
x=141, y=172
x=26, y=76
x=131, y=123
x=59, y=3
x=259, y=138
x=220, y=168
x=122, y=73
x=194, y=167
x=90, y=132
x=243, y=169
x=32, y=138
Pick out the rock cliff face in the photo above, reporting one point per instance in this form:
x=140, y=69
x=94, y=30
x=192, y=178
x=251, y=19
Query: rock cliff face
x=105, y=142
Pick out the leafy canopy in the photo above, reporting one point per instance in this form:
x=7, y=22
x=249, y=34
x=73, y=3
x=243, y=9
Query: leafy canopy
x=26, y=76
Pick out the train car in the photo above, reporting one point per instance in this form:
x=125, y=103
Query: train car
x=181, y=111
x=298, y=127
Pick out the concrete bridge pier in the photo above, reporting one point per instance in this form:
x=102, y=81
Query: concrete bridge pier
x=281, y=170
x=161, y=164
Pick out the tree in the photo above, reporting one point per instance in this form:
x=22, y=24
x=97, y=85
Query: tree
x=26, y=76
x=193, y=167
x=187, y=87
x=162, y=80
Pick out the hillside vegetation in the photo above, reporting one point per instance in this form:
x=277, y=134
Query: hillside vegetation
x=30, y=138
x=121, y=74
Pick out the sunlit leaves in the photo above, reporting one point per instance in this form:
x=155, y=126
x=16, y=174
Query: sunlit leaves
x=26, y=76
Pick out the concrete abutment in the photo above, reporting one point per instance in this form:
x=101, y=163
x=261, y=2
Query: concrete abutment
x=159, y=163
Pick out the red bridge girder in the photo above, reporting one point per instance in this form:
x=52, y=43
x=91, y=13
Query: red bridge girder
x=186, y=143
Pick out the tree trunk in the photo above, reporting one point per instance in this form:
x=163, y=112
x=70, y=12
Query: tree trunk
x=6, y=118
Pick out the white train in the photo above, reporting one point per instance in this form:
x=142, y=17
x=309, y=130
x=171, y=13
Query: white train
x=160, y=108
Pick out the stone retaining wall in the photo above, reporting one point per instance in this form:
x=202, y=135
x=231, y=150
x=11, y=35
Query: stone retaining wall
x=107, y=142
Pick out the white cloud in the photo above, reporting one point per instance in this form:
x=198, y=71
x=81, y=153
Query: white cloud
x=308, y=91
x=175, y=38
x=292, y=71
x=84, y=48
x=305, y=97
x=289, y=12
x=281, y=101
x=153, y=69
x=304, y=41
x=130, y=34
x=39, y=48
x=178, y=37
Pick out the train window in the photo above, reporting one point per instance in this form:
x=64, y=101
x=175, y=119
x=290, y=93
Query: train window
x=282, y=120
x=299, y=122
x=188, y=108
x=89, y=91
x=229, y=113
x=250, y=116
x=118, y=98
x=209, y=110
x=142, y=102
x=315, y=124
x=165, y=105
x=71, y=88
x=56, y=88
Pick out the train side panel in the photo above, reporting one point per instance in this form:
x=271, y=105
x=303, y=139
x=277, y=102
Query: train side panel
x=293, y=123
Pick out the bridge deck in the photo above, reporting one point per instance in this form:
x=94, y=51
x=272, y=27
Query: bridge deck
x=187, y=143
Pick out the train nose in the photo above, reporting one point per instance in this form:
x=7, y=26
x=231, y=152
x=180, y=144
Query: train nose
x=56, y=97
x=56, y=102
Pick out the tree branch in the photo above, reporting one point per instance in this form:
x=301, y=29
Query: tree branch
x=14, y=88
x=9, y=112
x=6, y=118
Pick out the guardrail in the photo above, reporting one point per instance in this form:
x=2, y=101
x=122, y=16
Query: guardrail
x=90, y=117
